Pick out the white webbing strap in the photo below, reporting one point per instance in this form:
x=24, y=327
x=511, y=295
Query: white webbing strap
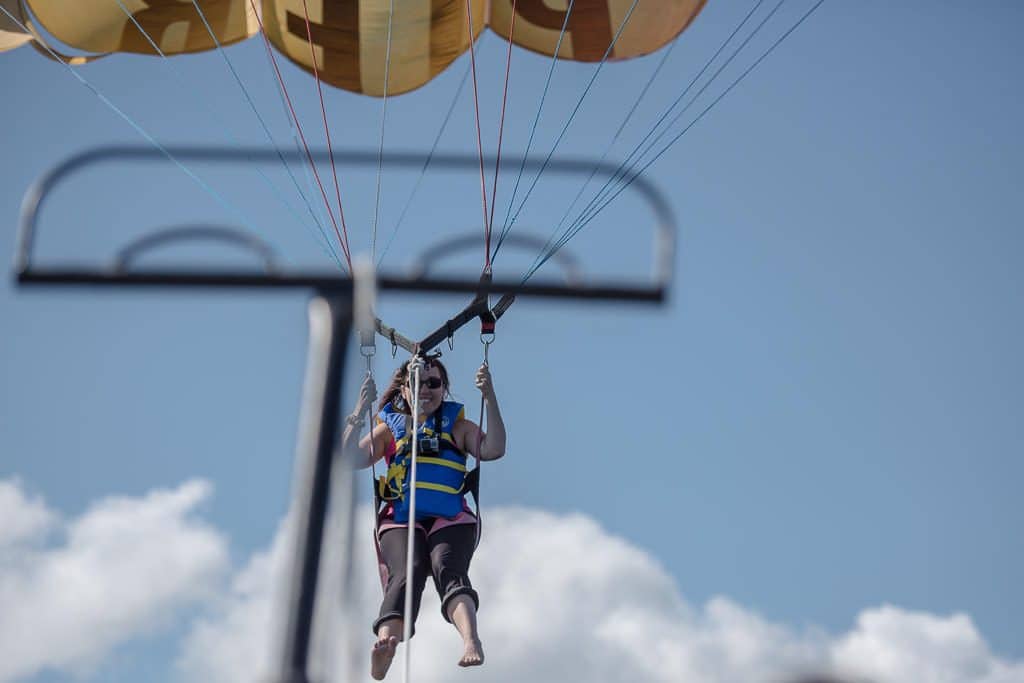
x=415, y=367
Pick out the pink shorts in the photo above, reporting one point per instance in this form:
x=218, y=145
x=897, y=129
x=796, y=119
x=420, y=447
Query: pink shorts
x=439, y=523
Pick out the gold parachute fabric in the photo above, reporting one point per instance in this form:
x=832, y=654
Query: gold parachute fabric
x=350, y=37
x=11, y=35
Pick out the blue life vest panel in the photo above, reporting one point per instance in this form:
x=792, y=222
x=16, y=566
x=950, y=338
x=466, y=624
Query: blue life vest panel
x=440, y=474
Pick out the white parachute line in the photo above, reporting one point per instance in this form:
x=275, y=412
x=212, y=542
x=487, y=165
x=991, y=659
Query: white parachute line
x=383, y=120
x=321, y=239
x=629, y=164
x=572, y=116
x=623, y=171
x=533, y=128
x=604, y=155
x=584, y=218
x=324, y=219
x=426, y=162
x=206, y=187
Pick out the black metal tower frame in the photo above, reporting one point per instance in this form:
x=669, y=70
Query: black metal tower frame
x=330, y=320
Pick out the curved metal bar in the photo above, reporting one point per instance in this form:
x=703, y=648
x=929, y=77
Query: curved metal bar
x=34, y=200
x=421, y=266
x=209, y=233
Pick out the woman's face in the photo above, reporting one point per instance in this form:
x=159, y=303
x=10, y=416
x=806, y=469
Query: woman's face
x=430, y=396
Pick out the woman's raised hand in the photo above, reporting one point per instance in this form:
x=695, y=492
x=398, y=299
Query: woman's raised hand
x=484, y=382
x=367, y=395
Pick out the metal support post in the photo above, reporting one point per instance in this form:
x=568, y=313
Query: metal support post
x=330, y=325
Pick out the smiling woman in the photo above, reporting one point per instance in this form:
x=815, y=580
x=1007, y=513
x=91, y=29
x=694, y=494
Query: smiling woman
x=417, y=427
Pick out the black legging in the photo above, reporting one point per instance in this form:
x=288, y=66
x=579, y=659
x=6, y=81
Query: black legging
x=447, y=551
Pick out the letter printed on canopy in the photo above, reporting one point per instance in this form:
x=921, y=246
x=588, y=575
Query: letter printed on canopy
x=350, y=39
x=591, y=25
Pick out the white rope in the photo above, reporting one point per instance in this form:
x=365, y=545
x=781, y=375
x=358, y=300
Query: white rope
x=480, y=433
x=383, y=119
x=479, y=442
x=415, y=366
x=369, y=416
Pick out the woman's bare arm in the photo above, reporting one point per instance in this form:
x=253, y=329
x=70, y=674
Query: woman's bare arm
x=488, y=445
x=380, y=434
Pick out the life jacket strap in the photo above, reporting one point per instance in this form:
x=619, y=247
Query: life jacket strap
x=438, y=487
x=404, y=445
x=442, y=462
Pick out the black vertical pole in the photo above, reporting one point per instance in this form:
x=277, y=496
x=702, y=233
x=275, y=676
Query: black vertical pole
x=330, y=325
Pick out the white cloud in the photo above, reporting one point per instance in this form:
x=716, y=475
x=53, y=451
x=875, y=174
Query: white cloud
x=891, y=644
x=235, y=643
x=119, y=570
x=25, y=520
x=561, y=599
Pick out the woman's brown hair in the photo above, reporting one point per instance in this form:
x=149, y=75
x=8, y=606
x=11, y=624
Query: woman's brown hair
x=393, y=394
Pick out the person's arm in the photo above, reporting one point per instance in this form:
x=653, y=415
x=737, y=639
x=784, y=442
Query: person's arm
x=491, y=443
x=354, y=423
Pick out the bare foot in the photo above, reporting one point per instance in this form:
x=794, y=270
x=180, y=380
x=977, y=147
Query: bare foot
x=474, y=654
x=380, y=657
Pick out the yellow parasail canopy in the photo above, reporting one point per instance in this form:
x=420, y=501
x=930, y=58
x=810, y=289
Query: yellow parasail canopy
x=349, y=38
x=11, y=35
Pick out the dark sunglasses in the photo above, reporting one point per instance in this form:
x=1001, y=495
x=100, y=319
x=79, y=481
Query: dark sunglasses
x=432, y=382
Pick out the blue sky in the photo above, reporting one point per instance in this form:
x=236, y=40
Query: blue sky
x=825, y=418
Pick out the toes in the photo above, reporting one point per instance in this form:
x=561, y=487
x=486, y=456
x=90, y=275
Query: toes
x=473, y=656
x=380, y=657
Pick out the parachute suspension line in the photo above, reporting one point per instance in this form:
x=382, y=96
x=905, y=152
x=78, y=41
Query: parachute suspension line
x=607, y=151
x=426, y=163
x=718, y=99
x=383, y=118
x=215, y=113
x=501, y=129
x=343, y=241
x=231, y=67
x=604, y=58
x=533, y=128
x=320, y=218
x=416, y=367
x=479, y=139
x=584, y=217
x=327, y=128
x=219, y=198
x=621, y=171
